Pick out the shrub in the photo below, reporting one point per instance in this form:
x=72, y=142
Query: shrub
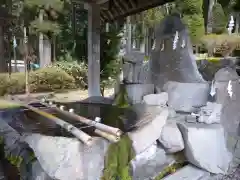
x=195, y=24
x=74, y=69
x=223, y=44
x=43, y=80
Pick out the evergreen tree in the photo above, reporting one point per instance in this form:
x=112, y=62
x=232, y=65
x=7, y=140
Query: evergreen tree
x=219, y=19
x=192, y=13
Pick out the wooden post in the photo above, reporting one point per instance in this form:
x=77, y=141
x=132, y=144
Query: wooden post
x=94, y=50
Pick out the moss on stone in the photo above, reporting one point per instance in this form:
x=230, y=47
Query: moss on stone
x=14, y=160
x=170, y=170
x=117, y=161
x=180, y=162
x=122, y=100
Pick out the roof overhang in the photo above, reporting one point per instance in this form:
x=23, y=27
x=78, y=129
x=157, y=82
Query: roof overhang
x=117, y=9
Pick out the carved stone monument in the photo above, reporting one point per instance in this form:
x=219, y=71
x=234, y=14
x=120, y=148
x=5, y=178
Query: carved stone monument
x=173, y=58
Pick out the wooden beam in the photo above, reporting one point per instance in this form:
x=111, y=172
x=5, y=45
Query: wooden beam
x=124, y=5
x=101, y=1
x=110, y=15
x=118, y=5
x=134, y=5
x=142, y=5
x=103, y=13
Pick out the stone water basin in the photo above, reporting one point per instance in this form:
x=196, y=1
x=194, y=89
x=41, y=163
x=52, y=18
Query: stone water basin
x=21, y=121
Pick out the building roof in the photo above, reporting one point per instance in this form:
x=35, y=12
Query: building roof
x=114, y=9
x=117, y=9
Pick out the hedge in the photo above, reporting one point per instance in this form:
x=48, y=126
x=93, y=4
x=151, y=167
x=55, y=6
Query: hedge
x=43, y=80
x=77, y=70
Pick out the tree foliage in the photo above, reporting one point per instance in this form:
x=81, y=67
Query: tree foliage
x=51, y=10
x=153, y=16
x=219, y=19
x=110, y=64
x=190, y=6
x=195, y=24
x=192, y=14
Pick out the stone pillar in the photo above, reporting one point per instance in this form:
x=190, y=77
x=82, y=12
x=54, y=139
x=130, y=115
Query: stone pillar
x=94, y=50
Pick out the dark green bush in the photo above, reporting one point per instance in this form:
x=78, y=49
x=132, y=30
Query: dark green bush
x=77, y=70
x=43, y=80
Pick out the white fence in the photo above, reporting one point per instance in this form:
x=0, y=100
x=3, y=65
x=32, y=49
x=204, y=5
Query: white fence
x=20, y=65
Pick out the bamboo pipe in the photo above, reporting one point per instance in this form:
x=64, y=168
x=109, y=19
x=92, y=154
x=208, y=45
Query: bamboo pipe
x=110, y=137
x=97, y=125
x=107, y=136
x=85, y=138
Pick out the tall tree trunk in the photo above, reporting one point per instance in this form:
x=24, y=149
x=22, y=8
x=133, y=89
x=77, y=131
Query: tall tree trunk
x=3, y=62
x=209, y=24
x=129, y=35
x=46, y=53
x=41, y=56
x=9, y=56
x=237, y=22
x=54, y=48
x=26, y=62
x=143, y=40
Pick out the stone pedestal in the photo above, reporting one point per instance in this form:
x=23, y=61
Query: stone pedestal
x=137, y=91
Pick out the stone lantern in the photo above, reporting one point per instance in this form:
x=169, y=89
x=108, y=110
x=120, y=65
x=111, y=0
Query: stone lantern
x=231, y=25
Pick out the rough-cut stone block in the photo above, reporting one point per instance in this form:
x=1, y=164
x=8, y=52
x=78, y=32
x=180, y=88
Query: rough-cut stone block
x=137, y=91
x=222, y=77
x=171, y=138
x=144, y=137
x=68, y=157
x=14, y=146
x=226, y=74
x=149, y=163
x=205, y=146
x=187, y=96
x=188, y=172
x=156, y=99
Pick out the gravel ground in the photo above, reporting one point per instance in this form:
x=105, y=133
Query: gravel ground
x=70, y=96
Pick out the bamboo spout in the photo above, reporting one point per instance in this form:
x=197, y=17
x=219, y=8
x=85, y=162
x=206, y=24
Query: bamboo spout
x=82, y=136
x=107, y=136
x=97, y=125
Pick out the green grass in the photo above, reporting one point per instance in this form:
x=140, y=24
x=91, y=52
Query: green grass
x=4, y=104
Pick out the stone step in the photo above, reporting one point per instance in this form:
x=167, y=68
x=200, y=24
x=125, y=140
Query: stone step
x=188, y=172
